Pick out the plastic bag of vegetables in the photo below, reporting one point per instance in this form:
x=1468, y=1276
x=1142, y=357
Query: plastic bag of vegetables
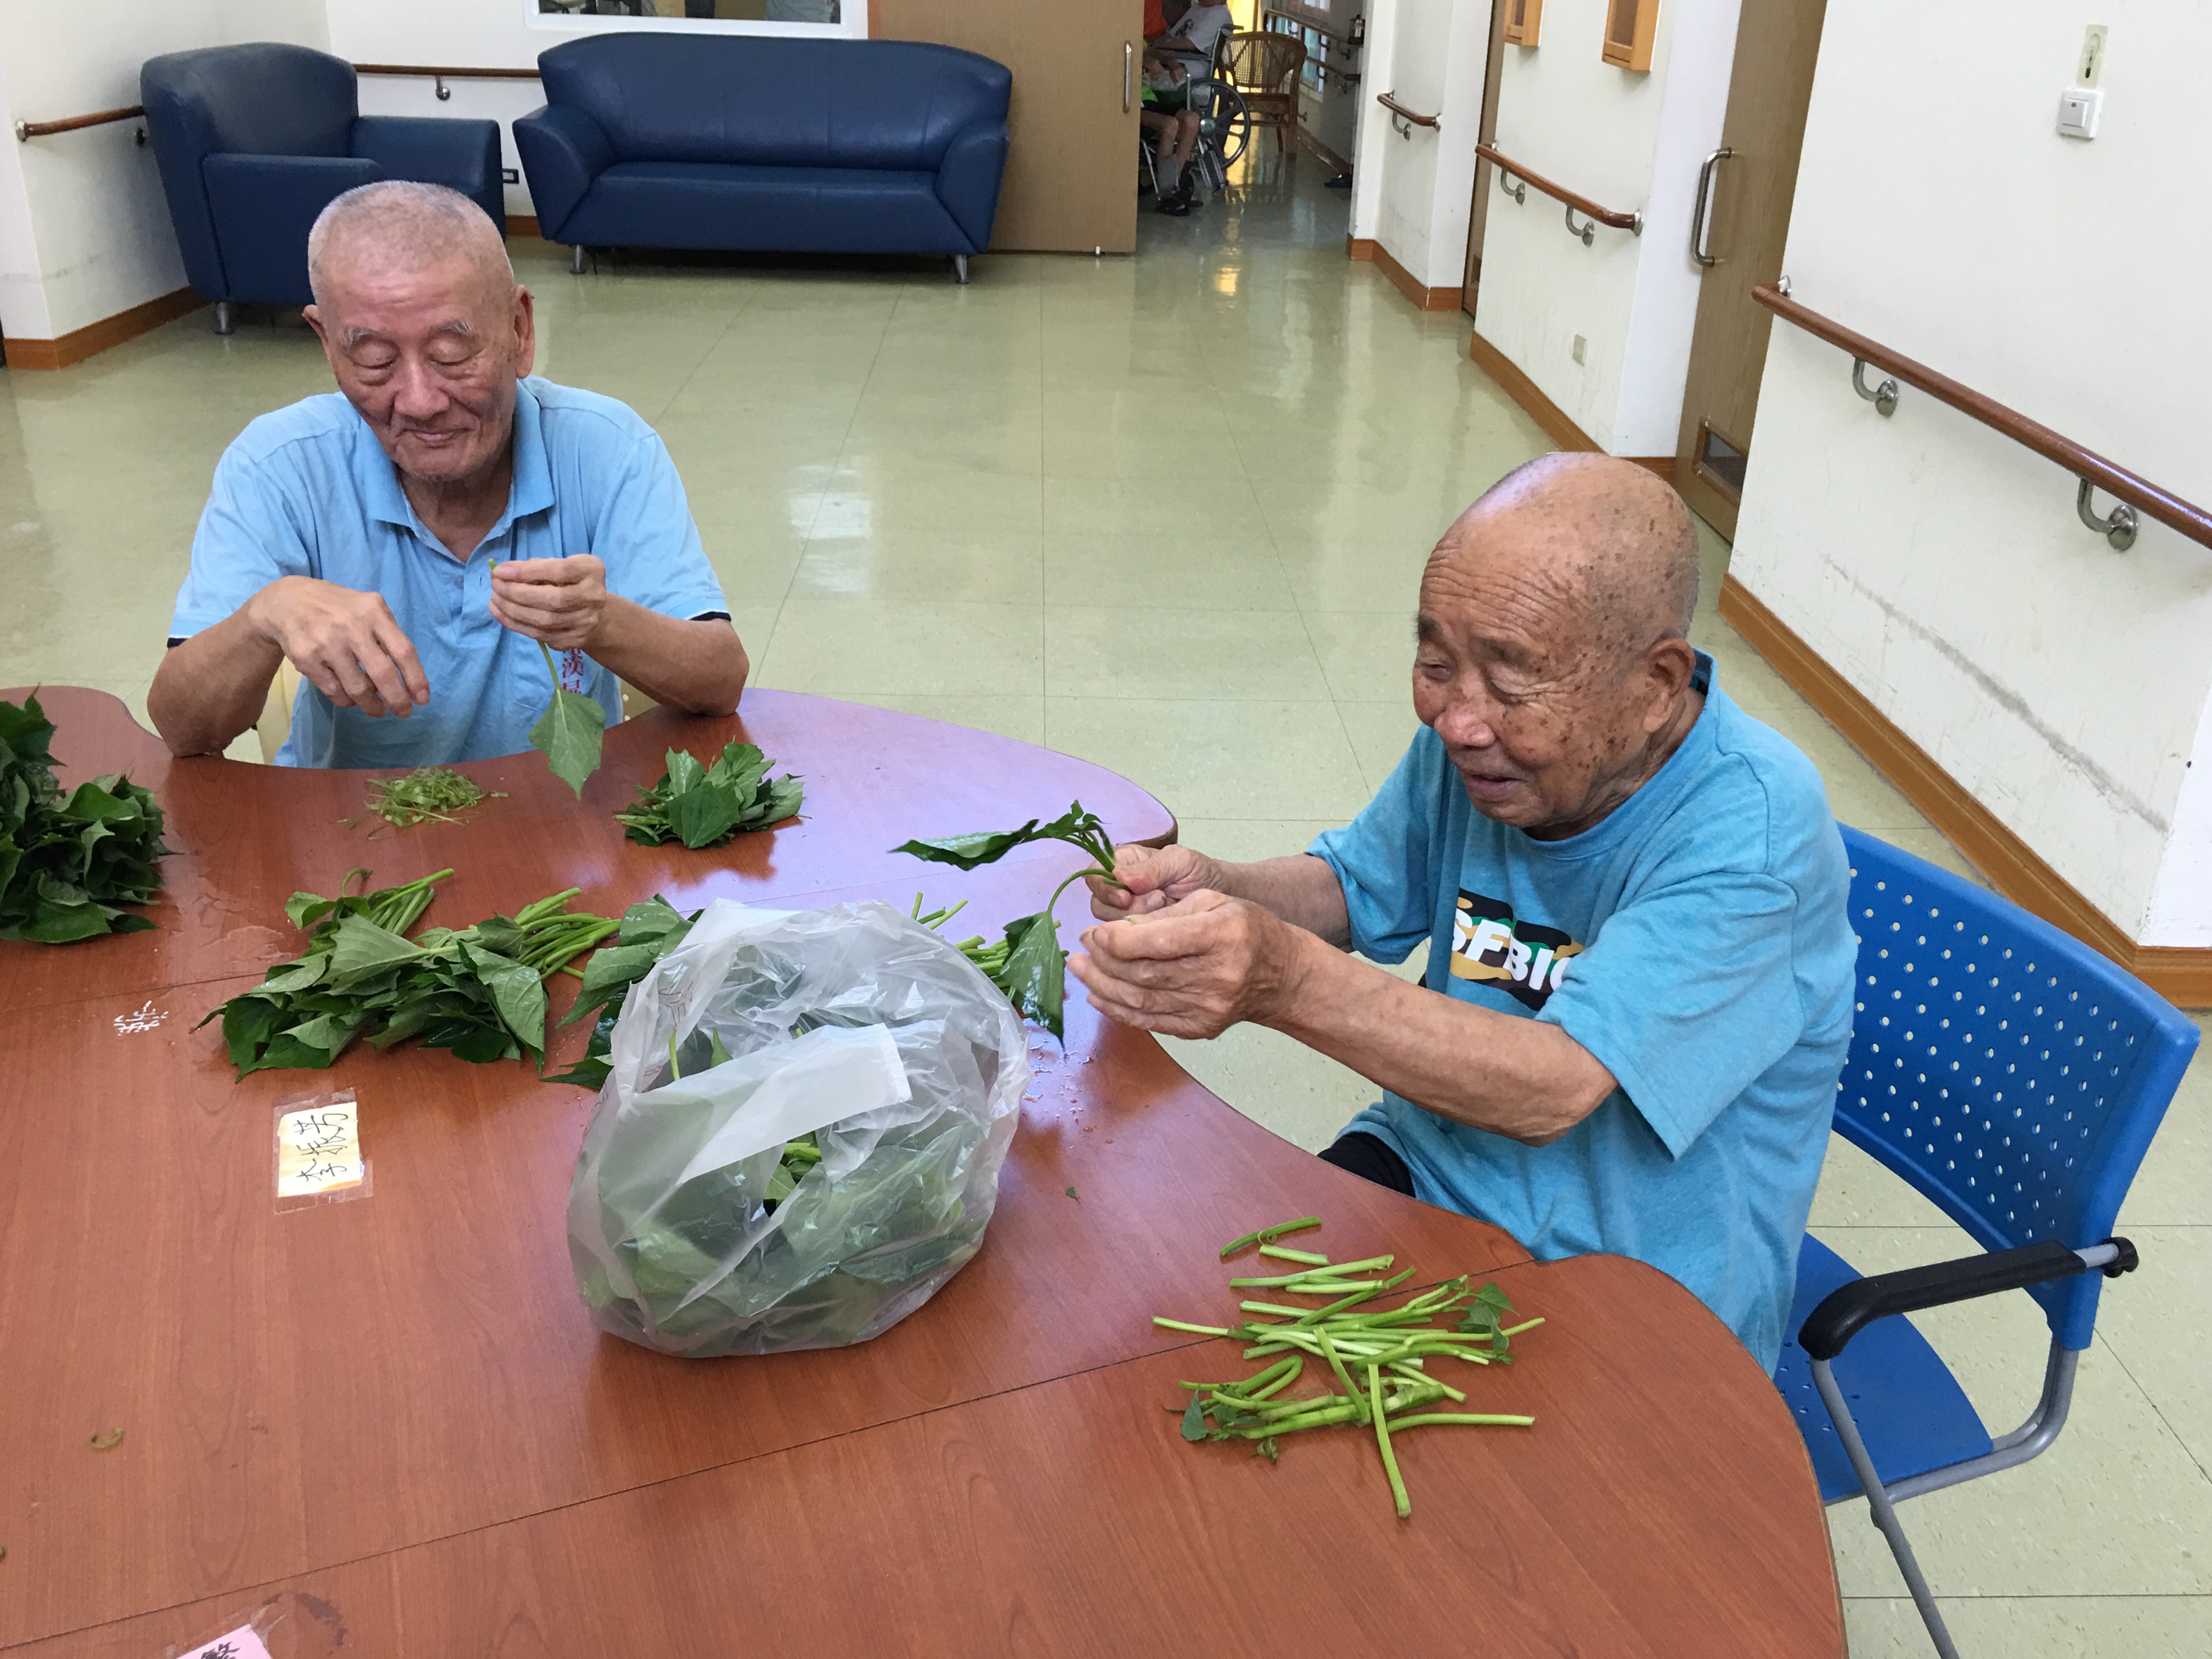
x=800, y=1136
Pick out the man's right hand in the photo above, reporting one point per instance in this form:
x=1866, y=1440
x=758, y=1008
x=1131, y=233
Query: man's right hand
x=1154, y=877
x=348, y=645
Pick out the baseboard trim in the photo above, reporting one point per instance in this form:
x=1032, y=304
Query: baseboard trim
x=1423, y=299
x=522, y=224
x=1559, y=426
x=2182, y=976
x=80, y=344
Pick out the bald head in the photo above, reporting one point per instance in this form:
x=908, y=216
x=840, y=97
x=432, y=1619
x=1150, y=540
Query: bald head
x=396, y=226
x=1604, y=537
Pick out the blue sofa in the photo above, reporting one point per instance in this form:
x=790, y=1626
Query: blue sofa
x=767, y=143
x=254, y=141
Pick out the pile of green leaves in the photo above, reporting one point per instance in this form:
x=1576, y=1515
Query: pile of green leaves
x=705, y=805
x=67, y=861
x=429, y=794
x=1377, y=1357
x=1033, y=969
x=479, y=991
x=648, y=931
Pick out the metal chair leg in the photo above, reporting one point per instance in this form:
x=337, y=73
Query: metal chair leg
x=576, y=260
x=1885, y=1515
x=224, y=322
x=960, y=268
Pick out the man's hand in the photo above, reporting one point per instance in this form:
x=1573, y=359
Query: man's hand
x=349, y=645
x=1194, y=968
x=1154, y=877
x=562, y=602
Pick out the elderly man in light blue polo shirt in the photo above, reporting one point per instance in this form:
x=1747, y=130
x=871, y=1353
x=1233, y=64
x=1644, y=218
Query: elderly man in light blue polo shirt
x=408, y=542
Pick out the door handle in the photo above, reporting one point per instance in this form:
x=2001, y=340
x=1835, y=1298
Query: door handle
x=1701, y=213
x=1128, y=58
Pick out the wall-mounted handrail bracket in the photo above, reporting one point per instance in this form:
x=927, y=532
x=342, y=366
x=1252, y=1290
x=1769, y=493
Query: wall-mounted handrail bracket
x=1516, y=189
x=1883, y=396
x=2137, y=496
x=1403, y=120
x=2116, y=527
x=1588, y=233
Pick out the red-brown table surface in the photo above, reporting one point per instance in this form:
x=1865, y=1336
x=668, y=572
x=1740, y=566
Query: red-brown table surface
x=391, y=1419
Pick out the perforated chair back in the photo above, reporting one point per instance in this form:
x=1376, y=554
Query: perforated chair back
x=2010, y=1073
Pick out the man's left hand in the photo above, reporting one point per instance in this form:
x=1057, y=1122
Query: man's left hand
x=560, y=601
x=1194, y=968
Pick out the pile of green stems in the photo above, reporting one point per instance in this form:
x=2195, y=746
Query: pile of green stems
x=398, y=909
x=990, y=958
x=1390, y=1347
x=552, y=938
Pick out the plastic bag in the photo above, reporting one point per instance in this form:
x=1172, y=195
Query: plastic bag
x=854, y=1024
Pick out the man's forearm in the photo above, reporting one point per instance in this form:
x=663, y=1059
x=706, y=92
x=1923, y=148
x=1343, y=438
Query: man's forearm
x=1519, y=1077
x=1301, y=888
x=697, y=667
x=212, y=687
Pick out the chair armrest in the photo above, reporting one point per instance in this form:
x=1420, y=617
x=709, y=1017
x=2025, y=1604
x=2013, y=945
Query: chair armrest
x=461, y=155
x=968, y=180
x=562, y=151
x=1843, y=1312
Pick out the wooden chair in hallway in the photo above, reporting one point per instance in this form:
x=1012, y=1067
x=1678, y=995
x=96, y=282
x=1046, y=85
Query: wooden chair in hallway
x=1265, y=67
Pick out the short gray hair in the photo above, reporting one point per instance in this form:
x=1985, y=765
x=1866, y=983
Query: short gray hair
x=413, y=223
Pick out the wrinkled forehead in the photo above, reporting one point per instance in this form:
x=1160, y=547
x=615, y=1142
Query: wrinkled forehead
x=371, y=290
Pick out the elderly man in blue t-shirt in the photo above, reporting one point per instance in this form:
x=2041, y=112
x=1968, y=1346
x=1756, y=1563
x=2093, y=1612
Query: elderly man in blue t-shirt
x=1638, y=994
x=414, y=543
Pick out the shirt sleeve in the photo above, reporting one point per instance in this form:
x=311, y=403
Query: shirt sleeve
x=1688, y=996
x=1384, y=858
x=644, y=534
x=246, y=540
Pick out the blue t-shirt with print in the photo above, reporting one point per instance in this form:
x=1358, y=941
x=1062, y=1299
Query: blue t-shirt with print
x=1696, y=941
x=308, y=491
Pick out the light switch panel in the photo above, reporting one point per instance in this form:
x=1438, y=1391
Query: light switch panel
x=2078, y=110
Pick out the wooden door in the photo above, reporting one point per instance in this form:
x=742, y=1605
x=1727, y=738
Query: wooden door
x=1746, y=222
x=1486, y=131
x=1071, y=184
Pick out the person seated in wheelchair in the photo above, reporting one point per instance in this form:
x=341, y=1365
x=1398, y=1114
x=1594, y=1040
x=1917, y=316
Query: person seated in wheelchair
x=1638, y=995
x=1173, y=126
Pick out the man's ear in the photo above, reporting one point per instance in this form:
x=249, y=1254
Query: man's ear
x=526, y=332
x=1668, y=666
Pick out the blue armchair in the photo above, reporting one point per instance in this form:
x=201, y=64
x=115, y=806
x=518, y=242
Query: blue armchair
x=761, y=142
x=253, y=142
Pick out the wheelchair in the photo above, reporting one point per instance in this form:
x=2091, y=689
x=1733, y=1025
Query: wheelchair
x=1225, y=128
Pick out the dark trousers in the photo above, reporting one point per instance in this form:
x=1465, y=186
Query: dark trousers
x=1371, y=1159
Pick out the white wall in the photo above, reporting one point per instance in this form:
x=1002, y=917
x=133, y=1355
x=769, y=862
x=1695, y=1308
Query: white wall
x=1632, y=143
x=1413, y=192
x=1939, y=567
x=98, y=240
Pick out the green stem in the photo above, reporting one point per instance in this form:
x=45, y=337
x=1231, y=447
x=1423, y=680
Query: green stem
x=1164, y=1324
x=1382, y=1439
x=1269, y=1234
x=1423, y=1422
x=1284, y=1253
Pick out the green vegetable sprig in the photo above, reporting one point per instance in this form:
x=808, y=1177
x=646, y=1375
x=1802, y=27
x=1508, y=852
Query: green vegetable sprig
x=648, y=931
x=479, y=991
x=1377, y=1358
x=1033, y=972
x=571, y=732
x=429, y=794
x=68, y=861
x=706, y=805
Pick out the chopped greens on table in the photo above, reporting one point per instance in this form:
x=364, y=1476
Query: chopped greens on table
x=67, y=861
x=429, y=794
x=1377, y=1357
x=479, y=991
x=1033, y=969
x=706, y=805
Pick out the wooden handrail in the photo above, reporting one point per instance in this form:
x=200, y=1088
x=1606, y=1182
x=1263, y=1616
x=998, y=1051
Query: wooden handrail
x=26, y=131
x=2191, y=520
x=1629, y=221
x=434, y=72
x=1397, y=108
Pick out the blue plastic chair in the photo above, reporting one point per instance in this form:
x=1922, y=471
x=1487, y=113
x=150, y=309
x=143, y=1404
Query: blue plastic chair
x=2015, y=1078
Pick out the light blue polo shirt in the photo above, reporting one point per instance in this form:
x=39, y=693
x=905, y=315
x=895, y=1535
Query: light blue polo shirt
x=307, y=491
x=1697, y=940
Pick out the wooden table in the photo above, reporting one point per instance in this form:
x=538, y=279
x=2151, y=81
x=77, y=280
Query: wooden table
x=390, y=1425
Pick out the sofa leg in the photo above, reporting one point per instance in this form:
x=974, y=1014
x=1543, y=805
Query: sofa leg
x=576, y=260
x=224, y=322
x=960, y=268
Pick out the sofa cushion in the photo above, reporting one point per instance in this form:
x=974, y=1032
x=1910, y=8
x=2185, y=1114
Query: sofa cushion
x=767, y=100
x=707, y=205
